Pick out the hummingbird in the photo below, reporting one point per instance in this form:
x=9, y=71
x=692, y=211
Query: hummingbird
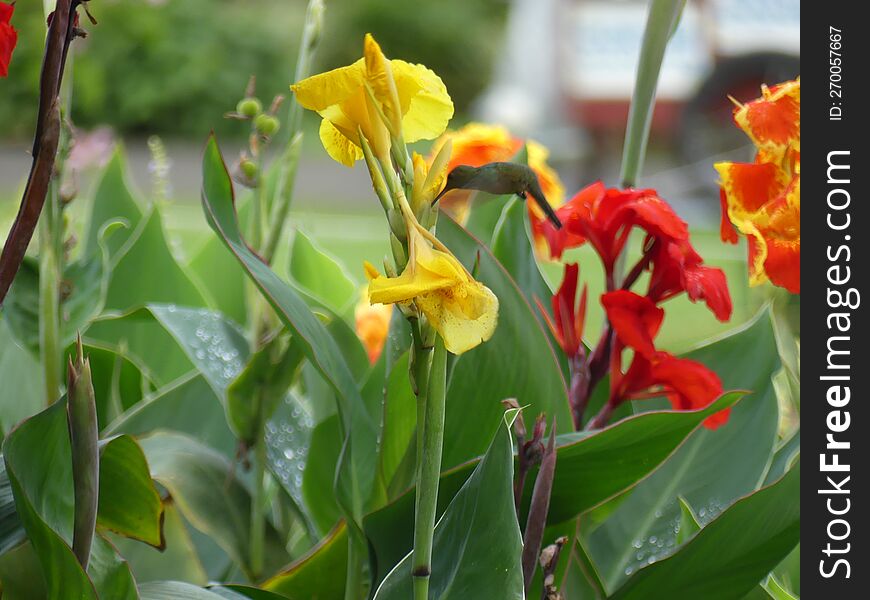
x=500, y=178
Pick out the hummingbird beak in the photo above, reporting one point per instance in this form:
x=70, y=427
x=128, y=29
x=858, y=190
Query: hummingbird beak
x=541, y=201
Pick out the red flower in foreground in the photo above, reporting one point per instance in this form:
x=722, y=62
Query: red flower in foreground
x=568, y=318
x=604, y=217
x=687, y=384
x=677, y=267
x=8, y=37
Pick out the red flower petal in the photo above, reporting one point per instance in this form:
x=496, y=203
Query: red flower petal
x=635, y=319
x=689, y=385
x=8, y=37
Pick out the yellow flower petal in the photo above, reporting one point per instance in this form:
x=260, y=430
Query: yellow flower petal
x=426, y=105
x=333, y=87
x=379, y=77
x=463, y=311
x=339, y=147
x=464, y=315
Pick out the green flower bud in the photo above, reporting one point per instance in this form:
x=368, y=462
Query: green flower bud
x=266, y=125
x=249, y=107
x=249, y=169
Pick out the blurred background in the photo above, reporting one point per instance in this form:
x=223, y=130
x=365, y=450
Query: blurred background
x=558, y=71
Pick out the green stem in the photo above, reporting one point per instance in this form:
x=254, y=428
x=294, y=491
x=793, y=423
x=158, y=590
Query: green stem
x=49, y=296
x=661, y=22
x=353, y=583
x=429, y=472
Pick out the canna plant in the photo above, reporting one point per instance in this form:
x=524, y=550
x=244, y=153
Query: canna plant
x=248, y=421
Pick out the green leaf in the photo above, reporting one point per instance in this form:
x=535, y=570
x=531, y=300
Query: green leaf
x=481, y=374
x=113, y=201
x=21, y=574
x=689, y=525
x=187, y=405
x=129, y=504
x=11, y=530
x=110, y=572
x=710, y=470
x=178, y=590
x=513, y=246
x=785, y=455
x=38, y=447
x=776, y=590
x=21, y=394
x=269, y=373
x=85, y=286
x=177, y=561
x=355, y=481
x=398, y=446
x=318, y=574
x=728, y=557
x=322, y=276
x=214, y=345
x=203, y=486
x=144, y=270
x=477, y=544
x=118, y=381
x=591, y=468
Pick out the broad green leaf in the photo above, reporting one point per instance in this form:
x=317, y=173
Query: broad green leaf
x=177, y=561
x=477, y=544
x=267, y=376
x=118, y=381
x=591, y=468
x=785, y=454
x=129, y=503
x=689, y=525
x=214, y=345
x=21, y=393
x=729, y=555
x=513, y=246
x=484, y=213
x=710, y=470
x=187, y=405
x=319, y=574
x=21, y=574
x=44, y=504
x=175, y=590
x=113, y=201
x=480, y=374
x=11, y=531
x=202, y=484
x=398, y=432
x=227, y=291
x=776, y=590
x=85, y=284
x=110, y=572
x=322, y=276
x=146, y=271
x=355, y=481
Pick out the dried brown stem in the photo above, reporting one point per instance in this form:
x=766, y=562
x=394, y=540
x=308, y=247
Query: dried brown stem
x=61, y=32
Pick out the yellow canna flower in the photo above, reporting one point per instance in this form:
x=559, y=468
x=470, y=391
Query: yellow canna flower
x=463, y=311
x=372, y=326
x=429, y=179
x=382, y=98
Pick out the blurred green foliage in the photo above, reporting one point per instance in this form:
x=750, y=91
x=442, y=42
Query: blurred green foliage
x=175, y=66
x=458, y=39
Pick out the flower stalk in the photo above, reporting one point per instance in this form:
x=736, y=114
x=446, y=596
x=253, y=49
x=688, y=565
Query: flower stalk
x=430, y=445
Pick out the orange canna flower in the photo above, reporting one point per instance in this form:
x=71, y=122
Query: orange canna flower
x=477, y=144
x=372, y=326
x=762, y=200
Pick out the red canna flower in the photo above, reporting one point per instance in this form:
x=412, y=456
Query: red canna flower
x=686, y=383
x=8, y=37
x=677, y=267
x=568, y=317
x=604, y=217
